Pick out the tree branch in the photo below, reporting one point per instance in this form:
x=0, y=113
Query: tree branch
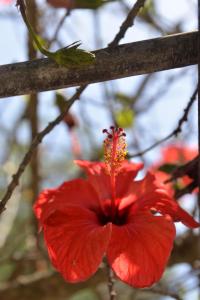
x=175, y=132
x=189, y=169
x=37, y=140
x=128, y=22
x=126, y=60
x=111, y=282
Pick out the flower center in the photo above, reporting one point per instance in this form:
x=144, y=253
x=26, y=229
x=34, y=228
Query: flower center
x=114, y=154
x=114, y=149
x=120, y=218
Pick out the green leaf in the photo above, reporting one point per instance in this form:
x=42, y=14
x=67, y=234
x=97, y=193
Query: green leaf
x=124, y=99
x=60, y=101
x=178, y=185
x=125, y=117
x=42, y=42
x=72, y=56
x=149, y=8
x=68, y=56
x=167, y=168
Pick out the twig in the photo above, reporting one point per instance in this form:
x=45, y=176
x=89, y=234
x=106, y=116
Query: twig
x=186, y=190
x=20, y=4
x=37, y=140
x=175, y=132
x=60, y=24
x=129, y=21
x=189, y=169
x=161, y=291
x=111, y=282
x=162, y=90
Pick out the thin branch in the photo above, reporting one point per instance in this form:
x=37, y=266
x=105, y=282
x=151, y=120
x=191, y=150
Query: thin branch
x=37, y=140
x=161, y=91
x=129, y=21
x=126, y=60
x=190, y=169
x=186, y=190
x=175, y=132
x=163, y=292
x=111, y=282
x=59, y=26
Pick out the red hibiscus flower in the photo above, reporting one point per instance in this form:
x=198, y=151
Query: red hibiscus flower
x=172, y=156
x=110, y=214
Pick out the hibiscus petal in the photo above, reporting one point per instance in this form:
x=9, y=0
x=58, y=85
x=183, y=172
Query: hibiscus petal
x=76, y=192
x=140, y=257
x=127, y=173
x=41, y=205
x=170, y=207
x=97, y=177
x=142, y=192
x=76, y=242
x=101, y=181
x=148, y=193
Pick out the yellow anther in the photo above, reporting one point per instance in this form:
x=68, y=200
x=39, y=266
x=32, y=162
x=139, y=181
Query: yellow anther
x=115, y=149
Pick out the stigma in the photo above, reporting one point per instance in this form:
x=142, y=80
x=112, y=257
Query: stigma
x=115, y=149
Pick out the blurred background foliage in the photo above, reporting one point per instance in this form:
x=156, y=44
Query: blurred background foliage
x=147, y=106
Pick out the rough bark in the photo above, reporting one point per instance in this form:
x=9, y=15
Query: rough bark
x=131, y=59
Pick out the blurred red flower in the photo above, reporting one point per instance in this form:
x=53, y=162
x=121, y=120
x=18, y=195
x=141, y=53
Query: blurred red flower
x=178, y=153
x=110, y=214
x=6, y=1
x=173, y=156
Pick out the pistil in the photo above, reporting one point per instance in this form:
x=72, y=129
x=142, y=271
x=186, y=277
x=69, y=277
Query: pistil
x=114, y=155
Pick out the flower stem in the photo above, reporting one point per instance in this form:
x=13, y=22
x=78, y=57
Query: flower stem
x=22, y=8
x=113, y=196
x=111, y=281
